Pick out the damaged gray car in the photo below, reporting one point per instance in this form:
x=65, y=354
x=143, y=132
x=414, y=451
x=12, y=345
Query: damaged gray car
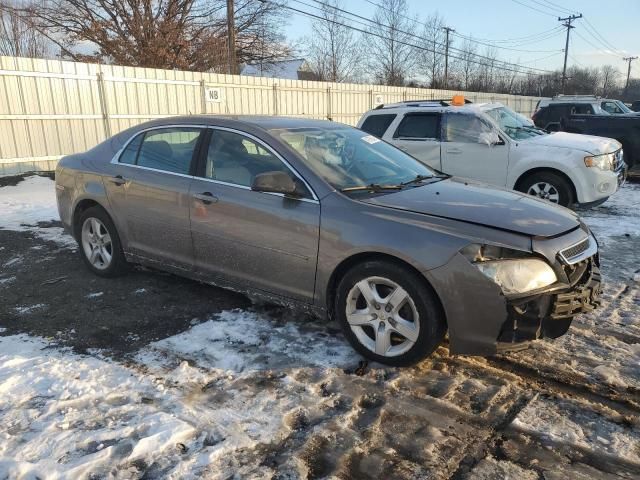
x=326, y=217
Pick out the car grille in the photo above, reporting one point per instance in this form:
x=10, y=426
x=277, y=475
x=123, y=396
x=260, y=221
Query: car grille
x=575, y=250
x=583, y=297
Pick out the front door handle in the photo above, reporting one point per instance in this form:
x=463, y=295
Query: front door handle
x=118, y=180
x=206, y=197
x=455, y=151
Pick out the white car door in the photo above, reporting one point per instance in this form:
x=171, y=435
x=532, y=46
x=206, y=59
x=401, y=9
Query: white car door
x=418, y=134
x=472, y=148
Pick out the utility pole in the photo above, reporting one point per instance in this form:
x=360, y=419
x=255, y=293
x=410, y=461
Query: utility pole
x=628, y=60
x=567, y=23
x=446, y=56
x=231, y=34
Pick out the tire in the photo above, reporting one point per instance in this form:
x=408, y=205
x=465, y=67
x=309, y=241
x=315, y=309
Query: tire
x=548, y=186
x=97, y=233
x=419, y=316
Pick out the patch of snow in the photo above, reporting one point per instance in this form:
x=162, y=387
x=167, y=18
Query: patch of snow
x=7, y=280
x=95, y=295
x=14, y=261
x=2, y=329
x=31, y=201
x=138, y=291
x=239, y=340
x=618, y=216
x=566, y=422
x=492, y=469
x=26, y=309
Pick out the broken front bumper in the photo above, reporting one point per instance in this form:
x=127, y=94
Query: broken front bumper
x=549, y=314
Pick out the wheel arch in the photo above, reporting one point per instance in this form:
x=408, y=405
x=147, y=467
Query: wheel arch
x=555, y=171
x=80, y=207
x=346, y=264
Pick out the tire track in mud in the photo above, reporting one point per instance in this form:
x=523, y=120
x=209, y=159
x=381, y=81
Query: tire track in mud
x=538, y=380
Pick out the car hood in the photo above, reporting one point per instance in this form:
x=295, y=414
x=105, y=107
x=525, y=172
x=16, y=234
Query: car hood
x=477, y=203
x=587, y=143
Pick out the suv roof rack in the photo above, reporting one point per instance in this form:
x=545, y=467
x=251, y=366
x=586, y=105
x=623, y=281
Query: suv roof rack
x=441, y=102
x=577, y=97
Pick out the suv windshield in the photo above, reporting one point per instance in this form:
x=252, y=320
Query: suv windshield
x=514, y=124
x=351, y=160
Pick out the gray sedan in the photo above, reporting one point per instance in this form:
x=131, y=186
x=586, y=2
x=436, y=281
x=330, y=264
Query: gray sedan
x=323, y=216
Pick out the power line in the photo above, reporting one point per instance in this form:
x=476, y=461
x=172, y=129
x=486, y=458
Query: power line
x=595, y=46
x=498, y=63
x=488, y=44
x=374, y=23
x=533, y=8
x=597, y=35
x=559, y=8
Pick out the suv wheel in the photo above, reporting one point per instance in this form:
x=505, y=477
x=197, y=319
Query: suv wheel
x=388, y=314
x=548, y=186
x=100, y=246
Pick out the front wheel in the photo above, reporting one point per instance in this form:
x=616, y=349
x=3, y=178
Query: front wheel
x=389, y=314
x=548, y=186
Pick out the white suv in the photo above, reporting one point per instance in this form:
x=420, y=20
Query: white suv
x=492, y=143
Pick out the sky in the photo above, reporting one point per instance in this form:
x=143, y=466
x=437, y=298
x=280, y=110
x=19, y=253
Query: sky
x=616, y=21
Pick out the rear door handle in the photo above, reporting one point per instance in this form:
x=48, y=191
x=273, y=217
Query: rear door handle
x=454, y=151
x=206, y=197
x=118, y=180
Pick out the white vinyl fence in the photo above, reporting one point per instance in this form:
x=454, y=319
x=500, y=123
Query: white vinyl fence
x=51, y=108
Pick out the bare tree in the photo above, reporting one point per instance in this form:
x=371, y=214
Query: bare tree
x=176, y=34
x=466, y=65
x=335, y=53
x=392, y=57
x=18, y=35
x=432, y=57
x=609, y=77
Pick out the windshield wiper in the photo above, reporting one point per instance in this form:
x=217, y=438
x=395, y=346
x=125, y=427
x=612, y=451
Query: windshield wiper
x=421, y=178
x=372, y=187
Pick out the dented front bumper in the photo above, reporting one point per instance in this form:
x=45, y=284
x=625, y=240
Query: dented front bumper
x=549, y=314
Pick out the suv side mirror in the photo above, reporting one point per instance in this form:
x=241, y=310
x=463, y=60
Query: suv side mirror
x=275, y=182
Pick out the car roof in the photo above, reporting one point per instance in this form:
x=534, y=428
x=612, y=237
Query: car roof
x=263, y=122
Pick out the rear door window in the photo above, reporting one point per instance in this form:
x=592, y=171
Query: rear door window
x=377, y=124
x=166, y=149
x=582, y=109
x=419, y=126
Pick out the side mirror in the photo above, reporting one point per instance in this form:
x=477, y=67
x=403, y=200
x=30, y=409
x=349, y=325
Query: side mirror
x=489, y=138
x=275, y=182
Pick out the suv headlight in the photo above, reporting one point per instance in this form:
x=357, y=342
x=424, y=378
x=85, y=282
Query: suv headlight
x=603, y=162
x=514, y=271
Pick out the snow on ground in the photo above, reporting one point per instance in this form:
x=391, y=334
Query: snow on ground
x=31, y=201
x=618, y=216
x=253, y=394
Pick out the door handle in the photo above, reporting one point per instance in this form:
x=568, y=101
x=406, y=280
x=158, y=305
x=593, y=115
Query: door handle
x=118, y=180
x=206, y=197
x=454, y=151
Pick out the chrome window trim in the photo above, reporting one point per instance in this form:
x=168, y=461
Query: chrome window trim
x=116, y=159
x=591, y=250
x=273, y=152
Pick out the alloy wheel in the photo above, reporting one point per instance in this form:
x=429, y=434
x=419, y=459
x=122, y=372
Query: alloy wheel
x=383, y=316
x=545, y=190
x=96, y=243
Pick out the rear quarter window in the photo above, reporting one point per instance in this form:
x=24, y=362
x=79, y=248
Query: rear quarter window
x=377, y=124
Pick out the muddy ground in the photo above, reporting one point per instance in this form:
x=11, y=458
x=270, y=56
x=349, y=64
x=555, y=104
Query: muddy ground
x=534, y=414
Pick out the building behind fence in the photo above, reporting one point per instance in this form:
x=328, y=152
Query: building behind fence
x=51, y=108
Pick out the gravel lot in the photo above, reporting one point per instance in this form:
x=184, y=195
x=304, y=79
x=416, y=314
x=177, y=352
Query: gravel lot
x=154, y=376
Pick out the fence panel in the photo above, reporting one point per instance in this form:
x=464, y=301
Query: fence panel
x=51, y=108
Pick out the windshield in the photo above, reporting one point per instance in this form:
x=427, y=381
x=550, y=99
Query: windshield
x=348, y=158
x=623, y=107
x=513, y=124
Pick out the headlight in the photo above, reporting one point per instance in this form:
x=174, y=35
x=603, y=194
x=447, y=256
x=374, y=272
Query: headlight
x=518, y=276
x=513, y=270
x=603, y=162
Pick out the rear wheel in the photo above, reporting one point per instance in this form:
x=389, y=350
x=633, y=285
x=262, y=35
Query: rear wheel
x=388, y=314
x=548, y=186
x=100, y=246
